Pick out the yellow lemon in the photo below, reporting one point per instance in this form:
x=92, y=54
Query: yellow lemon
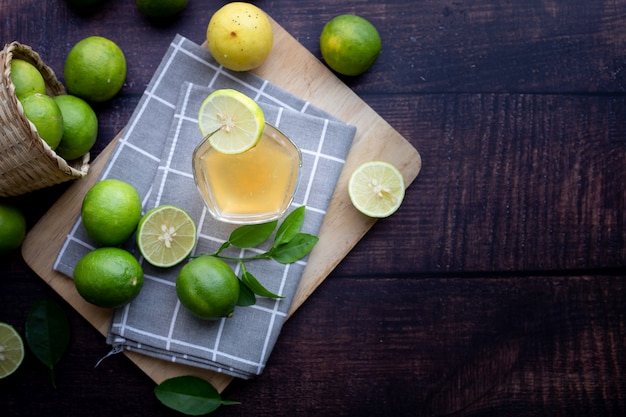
x=240, y=36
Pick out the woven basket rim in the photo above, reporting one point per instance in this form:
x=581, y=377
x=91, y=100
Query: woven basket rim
x=19, y=139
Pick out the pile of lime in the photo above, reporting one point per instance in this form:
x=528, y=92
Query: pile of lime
x=110, y=276
x=111, y=212
x=94, y=71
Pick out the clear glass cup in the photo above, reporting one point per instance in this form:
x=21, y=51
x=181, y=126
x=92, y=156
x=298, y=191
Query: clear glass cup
x=254, y=186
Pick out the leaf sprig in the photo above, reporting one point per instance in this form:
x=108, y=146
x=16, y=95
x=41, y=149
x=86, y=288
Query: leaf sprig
x=48, y=333
x=190, y=395
x=290, y=245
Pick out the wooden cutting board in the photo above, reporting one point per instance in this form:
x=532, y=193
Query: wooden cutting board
x=295, y=69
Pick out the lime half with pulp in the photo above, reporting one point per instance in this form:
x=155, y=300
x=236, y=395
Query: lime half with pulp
x=11, y=350
x=376, y=189
x=234, y=121
x=166, y=235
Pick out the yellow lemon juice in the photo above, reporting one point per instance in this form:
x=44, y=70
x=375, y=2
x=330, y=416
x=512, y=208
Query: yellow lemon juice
x=249, y=187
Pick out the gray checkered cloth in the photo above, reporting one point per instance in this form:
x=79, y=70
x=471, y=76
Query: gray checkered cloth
x=154, y=154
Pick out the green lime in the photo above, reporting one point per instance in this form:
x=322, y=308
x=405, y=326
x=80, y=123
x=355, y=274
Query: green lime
x=240, y=36
x=108, y=277
x=80, y=127
x=208, y=287
x=26, y=78
x=11, y=350
x=12, y=228
x=111, y=211
x=161, y=8
x=376, y=189
x=350, y=44
x=166, y=235
x=45, y=114
x=95, y=69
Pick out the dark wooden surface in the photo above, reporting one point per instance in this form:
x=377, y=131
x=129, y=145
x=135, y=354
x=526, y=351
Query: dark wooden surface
x=498, y=287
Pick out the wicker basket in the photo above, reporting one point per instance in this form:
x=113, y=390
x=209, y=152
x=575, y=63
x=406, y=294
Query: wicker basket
x=27, y=163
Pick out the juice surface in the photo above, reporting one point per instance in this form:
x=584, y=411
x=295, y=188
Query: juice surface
x=260, y=180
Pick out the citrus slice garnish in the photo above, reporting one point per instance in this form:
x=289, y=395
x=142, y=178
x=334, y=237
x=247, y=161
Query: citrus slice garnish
x=166, y=235
x=376, y=189
x=234, y=121
x=11, y=350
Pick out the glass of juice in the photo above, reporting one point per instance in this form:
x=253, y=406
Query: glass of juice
x=254, y=186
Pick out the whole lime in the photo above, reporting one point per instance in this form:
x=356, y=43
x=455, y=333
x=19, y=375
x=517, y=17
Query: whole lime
x=350, y=44
x=26, y=78
x=108, y=277
x=240, y=36
x=111, y=211
x=12, y=228
x=208, y=287
x=80, y=127
x=95, y=69
x=161, y=8
x=45, y=114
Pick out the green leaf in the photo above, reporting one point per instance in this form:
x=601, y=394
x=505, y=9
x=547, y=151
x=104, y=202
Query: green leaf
x=290, y=227
x=47, y=333
x=246, y=296
x=190, y=395
x=297, y=248
x=251, y=235
x=255, y=286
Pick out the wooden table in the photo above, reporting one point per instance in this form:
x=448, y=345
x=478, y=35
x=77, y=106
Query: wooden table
x=496, y=289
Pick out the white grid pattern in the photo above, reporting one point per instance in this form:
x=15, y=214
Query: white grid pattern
x=154, y=154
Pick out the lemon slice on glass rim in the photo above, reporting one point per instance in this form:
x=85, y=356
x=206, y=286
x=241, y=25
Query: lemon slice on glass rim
x=166, y=235
x=376, y=189
x=11, y=350
x=233, y=121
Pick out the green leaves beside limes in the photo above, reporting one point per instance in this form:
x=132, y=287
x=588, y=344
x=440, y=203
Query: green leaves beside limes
x=190, y=395
x=47, y=333
x=289, y=246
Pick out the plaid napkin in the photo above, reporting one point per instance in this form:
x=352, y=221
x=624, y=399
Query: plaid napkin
x=154, y=154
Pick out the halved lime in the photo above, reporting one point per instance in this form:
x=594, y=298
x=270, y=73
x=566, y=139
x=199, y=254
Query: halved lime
x=234, y=121
x=11, y=350
x=166, y=235
x=376, y=189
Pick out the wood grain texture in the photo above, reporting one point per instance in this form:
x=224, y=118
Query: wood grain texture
x=497, y=289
